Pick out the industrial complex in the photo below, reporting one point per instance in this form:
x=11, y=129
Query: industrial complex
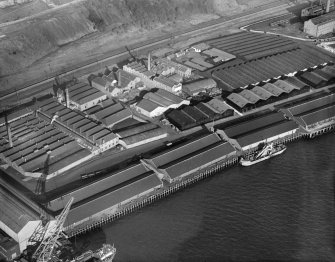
x=130, y=135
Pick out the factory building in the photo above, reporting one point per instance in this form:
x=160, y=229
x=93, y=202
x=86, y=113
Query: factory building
x=219, y=55
x=105, y=196
x=18, y=220
x=191, y=157
x=180, y=69
x=155, y=104
x=143, y=137
x=198, y=86
x=313, y=114
x=82, y=96
x=271, y=127
x=265, y=94
x=112, y=114
x=320, y=25
x=191, y=116
x=93, y=135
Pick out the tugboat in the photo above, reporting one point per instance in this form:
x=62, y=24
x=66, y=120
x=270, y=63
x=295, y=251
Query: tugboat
x=267, y=151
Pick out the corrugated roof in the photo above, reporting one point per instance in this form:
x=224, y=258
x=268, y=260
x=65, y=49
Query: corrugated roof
x=169, y=96
x=319, y=115
x=312, y=78
x=322, y=19
x=266, y=132
x=285, y=86
x=309, y=105
x=194, y=161
x=238, y=100
x=112, y=180
x=113, y=196
x=253, y=124
x=261, y=92
x=147, y=105
x=192, y=146
x=150, y=134
x=136, y=130
x=14, y=213
x=199, y=85
x=274, y=90
x=111, y=120
x=296, y=82
x=218, y=106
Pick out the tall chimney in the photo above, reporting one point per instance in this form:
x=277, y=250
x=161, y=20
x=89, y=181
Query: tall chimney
x=328, y=6
x=119, y=77
x=149, y=61
x=9, y=132
x=67, y=97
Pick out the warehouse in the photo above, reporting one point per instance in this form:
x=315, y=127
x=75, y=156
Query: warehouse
x=267, y=128
x=155, y=104
x=220, y=107
x=265, y=69
x=318, y=118
x=252, y=45
x=83, y=96
x=17, y=220
x=201, y=85
x=109, y=201
x=313, y=79
x=143, y=137
x=191, y=116
x=321, y=25
x=200, y=159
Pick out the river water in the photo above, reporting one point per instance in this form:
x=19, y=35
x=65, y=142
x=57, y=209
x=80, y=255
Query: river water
x=280, y=209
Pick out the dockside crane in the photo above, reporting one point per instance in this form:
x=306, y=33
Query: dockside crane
x=53, y=232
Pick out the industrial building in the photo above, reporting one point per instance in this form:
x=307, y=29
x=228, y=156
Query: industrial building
x=198, y=86
x=268, y=68
x=33, y=141
x=106, y=195
x=18, y=220
x=94, y=136
x=265, y=94
x=313, y=114
x=82, y=96
x=191, y=116
x=155, y=104
x=249, y=45
x=219, y=55
x=270, y=127
x=321, y=25
x=191, y=157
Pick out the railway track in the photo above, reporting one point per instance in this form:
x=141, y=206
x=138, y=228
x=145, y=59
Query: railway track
x=9, y=100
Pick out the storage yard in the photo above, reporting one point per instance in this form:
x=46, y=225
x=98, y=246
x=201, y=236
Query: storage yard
x=279, y=91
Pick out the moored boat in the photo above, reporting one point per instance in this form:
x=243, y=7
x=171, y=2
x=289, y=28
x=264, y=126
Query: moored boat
x=267, y=151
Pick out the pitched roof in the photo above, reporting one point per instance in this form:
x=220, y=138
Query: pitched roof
x=147, y=105
x=319, y=115
x=198, y=159
x=14, y=213
x=322, y=19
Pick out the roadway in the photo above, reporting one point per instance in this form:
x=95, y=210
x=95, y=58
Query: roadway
x=25, y=93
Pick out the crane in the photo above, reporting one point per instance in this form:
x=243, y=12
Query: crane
x=51, y=235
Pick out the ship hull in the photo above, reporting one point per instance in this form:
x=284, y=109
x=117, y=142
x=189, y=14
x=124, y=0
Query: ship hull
x=244, y=162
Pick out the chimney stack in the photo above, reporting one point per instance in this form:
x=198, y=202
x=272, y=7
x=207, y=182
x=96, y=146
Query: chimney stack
x=67, y=97
x=9, y=132
x=149, y=61
x=328, y=6
x=119, y=77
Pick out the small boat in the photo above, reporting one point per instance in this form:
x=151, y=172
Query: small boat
x=104, y=254
x=267, y=151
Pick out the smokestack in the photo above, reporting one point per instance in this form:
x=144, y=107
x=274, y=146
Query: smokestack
x=67, y=97
x=119, y=77
x=149, y=61
x=9, y=132
x=328, y=6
